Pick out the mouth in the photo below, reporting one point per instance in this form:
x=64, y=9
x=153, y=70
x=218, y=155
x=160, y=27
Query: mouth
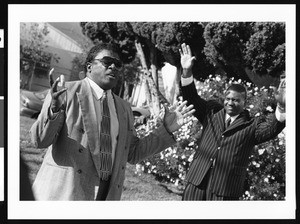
x=111, y=75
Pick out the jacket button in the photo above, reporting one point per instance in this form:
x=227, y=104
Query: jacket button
x=123, y=167
x=211, y=159
x=80, y=150
x=219, y=148
x=79, y=171
x=81, y=130
x=118, y=185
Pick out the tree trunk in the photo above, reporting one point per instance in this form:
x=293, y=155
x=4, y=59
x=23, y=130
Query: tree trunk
x=30, y=78
x=152, y=97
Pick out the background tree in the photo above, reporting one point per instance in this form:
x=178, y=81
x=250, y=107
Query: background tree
x=251, y=51
x=33, y=51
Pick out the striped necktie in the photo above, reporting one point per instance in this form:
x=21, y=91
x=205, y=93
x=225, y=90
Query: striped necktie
x=227, y=123
x=105, y=141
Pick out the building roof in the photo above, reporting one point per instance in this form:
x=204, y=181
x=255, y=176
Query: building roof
x=72, y=30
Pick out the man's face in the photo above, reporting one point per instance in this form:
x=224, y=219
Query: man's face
x=234, y=102
x=103, y=70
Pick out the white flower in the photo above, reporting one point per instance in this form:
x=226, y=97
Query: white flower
x=251, y=106
x=266, y=179
x=191, y=158
x=257, y=114
x=191, y=143
x=257, y=165
x=261, y=151
x=269, y=108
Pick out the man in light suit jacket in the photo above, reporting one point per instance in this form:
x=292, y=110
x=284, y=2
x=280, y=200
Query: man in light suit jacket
x=69, y=125
x=220, y=163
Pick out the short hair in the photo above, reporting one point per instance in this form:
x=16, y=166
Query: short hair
x=238, y=88
x=97, y=49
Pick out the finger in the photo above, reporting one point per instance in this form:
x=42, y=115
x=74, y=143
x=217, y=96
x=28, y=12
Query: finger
x=187, y=109
x=62, y=81
x=54, y=86
x=181, y=105
x=189, y=50
x=172, y=108
x=188, y=114
x=183, y=46
x=57, y=94
x=51, y=77
x=282, y=84
x=180, y=52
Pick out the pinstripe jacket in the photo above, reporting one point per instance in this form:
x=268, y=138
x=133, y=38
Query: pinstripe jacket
x=227, y=150
x=70, y=169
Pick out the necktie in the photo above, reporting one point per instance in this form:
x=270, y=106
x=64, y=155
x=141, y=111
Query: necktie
x=105, y=141
x=228, y=121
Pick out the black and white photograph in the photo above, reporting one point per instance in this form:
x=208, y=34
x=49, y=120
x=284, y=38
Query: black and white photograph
x=155, y=111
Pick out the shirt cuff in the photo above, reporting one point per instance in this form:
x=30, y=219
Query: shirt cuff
x=280, y=116
x=187, y=81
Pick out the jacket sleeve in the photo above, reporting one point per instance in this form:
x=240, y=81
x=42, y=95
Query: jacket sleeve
x=201, y=106
x=267, y=128
x=46, y=129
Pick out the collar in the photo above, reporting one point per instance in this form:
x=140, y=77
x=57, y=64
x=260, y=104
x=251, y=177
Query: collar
x=97, y=90
x=232, y=118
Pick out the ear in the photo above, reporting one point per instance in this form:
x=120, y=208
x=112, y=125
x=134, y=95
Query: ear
x=89, y=67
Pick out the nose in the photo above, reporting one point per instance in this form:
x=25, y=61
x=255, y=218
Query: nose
x=112, y=65
x=230, y=102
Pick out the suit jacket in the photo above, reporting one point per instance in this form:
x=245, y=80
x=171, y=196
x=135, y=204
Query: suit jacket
x=227, y=150
x=70, y=169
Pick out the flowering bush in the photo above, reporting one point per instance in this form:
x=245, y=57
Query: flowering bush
x=266, y=171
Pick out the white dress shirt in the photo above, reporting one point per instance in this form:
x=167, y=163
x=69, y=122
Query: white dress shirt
x=279, y=116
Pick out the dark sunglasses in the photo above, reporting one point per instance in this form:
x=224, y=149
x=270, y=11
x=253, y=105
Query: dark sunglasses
x=108, y=61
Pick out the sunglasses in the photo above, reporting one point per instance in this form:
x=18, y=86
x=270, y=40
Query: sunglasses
x=108, y=61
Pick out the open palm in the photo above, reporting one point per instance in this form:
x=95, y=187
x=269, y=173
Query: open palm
x=186, y=58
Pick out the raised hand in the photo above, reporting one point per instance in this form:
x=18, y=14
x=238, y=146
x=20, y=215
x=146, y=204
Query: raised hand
x=186, y=60
x=177, y=116
x=280, y=95
x=56, y=102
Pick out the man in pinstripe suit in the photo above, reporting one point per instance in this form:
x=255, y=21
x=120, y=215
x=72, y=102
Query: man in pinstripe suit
x=218, y=170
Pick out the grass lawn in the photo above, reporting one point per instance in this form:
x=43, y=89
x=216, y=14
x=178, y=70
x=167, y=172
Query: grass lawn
x=136, y=187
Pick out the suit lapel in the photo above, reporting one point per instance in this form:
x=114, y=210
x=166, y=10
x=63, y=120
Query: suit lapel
x=86, y=104
x=240, y=120
x=219, y=120
x=122, y=135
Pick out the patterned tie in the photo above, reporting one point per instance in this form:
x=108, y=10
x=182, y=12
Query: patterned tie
x=105, y=141
x=228, y=121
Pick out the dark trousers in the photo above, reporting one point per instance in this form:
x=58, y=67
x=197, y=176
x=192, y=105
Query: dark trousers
x=202, y=192
x=103, y=190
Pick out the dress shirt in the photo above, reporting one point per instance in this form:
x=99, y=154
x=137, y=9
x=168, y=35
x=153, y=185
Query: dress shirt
x=279, y=116
x=232, y=118
x=114, y=123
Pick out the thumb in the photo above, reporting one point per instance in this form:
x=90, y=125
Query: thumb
x=164, y=112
